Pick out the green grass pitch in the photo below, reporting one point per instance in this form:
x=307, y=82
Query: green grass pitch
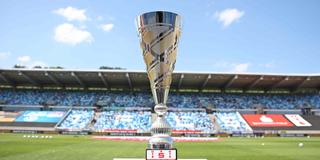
x=67, y=147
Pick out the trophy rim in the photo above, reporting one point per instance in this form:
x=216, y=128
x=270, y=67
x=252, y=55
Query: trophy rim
x=163, y=11
x=140, y=16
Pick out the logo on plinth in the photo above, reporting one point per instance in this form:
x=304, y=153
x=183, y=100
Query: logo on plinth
x=161, y=154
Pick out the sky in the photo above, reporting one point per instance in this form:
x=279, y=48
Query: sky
x=265, y=36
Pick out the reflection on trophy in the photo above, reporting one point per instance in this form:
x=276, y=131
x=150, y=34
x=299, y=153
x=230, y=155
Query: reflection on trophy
x=159, y=34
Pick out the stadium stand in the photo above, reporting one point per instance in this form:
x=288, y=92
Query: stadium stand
x=144, y=99
x=232, y=122
x=139, y=121
x=77, y=119
x=190, y=121
x=102, y=101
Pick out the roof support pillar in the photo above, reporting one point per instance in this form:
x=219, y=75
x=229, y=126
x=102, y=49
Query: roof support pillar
x=52, y=78
x=303, y=82
x=230, y=82
x=103, y=79
x=73, y=74
x=28, y=78
x=277, y=84
x=254, y=83
x=205, y=81
x=129, y=80
x=3, y=77
x=180, y=81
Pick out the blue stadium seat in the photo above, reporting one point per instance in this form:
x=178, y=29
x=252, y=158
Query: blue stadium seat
x=77, y=119
x=124, y=120
x=144, y=99
x=232, y=122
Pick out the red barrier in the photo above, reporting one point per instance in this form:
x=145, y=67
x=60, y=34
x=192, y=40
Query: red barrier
x=186, y=131
x=120, y=130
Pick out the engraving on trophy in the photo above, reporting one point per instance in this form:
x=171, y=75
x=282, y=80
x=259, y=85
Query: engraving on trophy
x=159, y=34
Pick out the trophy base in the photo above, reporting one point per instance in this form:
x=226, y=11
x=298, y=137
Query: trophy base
x=158, y=154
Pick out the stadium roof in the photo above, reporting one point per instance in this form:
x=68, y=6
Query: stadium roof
x=130, y=79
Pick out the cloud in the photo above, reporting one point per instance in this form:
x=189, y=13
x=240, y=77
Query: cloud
x=228, y=16
x=28, y=62
x=242, y=67
x=4, y=55
x=269, y=65
x=72, y=14
x=70, y=34
x=222, y=64
x=232, y=67
x=99, y=18
x=107, y=27
x=24, y=59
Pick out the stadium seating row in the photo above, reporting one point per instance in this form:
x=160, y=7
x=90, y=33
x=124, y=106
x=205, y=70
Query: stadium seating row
x=133, y=121
x=190, y=121
x=77, y=119
x=144, y=99
x=232, y=122
x=139, y=121
x=123, y=120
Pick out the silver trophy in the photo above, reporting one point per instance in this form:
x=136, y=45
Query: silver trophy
x=159, y=34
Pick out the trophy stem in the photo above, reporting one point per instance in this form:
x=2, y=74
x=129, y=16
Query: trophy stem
x=161, y=130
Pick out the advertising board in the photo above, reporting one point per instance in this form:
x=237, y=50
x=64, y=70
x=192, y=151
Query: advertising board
x=40, y=116
x=267, y=120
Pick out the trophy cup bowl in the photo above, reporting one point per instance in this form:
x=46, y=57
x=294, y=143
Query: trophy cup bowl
x=159, y=34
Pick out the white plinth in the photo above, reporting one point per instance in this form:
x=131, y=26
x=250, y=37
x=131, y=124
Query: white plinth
x=145, y=159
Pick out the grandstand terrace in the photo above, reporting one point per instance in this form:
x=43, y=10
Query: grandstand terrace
x=109, y=101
